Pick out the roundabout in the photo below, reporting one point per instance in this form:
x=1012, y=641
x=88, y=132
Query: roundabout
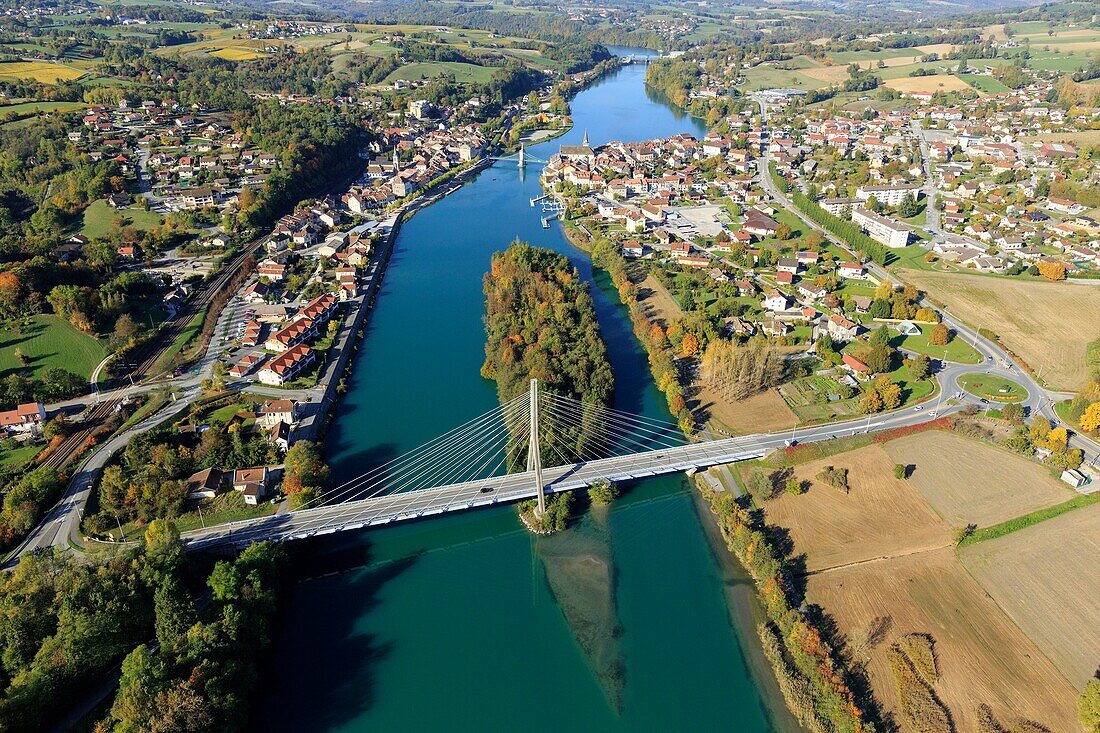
x=992, y=387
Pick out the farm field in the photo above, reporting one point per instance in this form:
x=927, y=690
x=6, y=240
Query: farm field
x=1043, y=578
x=49, y=342
x=932, y=84
x=1035, y=319
x=987, y=84
x=881, y=516
x=428, y=69
x=99, y=216
x=1010, y=484
x=43, y=71
x=981, y=655
x=808, y=397
x=760, y=413
x=881, y=562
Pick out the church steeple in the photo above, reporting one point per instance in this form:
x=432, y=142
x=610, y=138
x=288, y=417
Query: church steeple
x=396, y=162
x=585, y=141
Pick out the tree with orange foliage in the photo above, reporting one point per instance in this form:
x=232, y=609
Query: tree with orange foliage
x=11, y=293
x=690, y=345
x=1052, y=269
x=656, y=334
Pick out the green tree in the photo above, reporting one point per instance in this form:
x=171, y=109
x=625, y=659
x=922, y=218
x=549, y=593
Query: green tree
x=1088, y=706
x=175, y=611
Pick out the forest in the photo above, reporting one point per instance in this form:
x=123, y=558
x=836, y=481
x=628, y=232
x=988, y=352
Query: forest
x=65, y=623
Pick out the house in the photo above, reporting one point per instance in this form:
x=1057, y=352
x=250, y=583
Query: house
x=784, y=278
x=286, y=367
x=882, y=229
x=775, y=301
x=204, y=484
x=280, y=435
x=738, y=326
x=862, y=303
x=292, y=334
x=272, y=270
x=787, y=264
x=1074, y=478
x=842, y=329
x=276, y=411
x=633, y=248
x=245, y=366
x=758, y=223
x=253, y=483
x=851, y=271
x=24, y=417
x=854, y=365
x=809, y=291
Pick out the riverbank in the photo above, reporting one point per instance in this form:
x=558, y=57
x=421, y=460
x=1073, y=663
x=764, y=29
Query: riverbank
x=810, y=697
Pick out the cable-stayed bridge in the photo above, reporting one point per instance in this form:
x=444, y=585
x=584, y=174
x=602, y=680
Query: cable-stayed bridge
x=499, y=456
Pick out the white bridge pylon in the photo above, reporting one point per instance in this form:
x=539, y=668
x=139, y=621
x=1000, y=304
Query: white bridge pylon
x=521, y=159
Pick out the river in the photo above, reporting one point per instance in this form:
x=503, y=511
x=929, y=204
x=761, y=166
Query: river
x=450, y=623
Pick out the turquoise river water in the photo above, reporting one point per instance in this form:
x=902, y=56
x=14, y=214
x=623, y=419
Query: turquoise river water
x=459, y=623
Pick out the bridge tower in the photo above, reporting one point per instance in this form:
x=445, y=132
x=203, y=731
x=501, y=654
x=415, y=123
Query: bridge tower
x=534, y=457
x=522, y=156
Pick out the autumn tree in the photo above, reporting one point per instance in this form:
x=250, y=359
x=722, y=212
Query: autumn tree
x=738, y=371
x=11, y=294
x=1052, y=269
x=1090, y=418
x=690, y=345
x=305, y=473
x=940, y=335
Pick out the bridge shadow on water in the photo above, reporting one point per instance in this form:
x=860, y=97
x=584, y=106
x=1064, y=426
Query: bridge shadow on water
x=337, y=668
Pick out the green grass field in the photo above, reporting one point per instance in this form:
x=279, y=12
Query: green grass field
x=49, y=342
x=99, y=215
x=987, y=84
x=19, y=456
x=992, y=387
x=956, y=350
x=427, y=70
x=32, y=107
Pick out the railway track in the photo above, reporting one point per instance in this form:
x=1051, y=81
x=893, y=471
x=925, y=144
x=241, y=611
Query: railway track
x=68, y=447
x=165, y=338
x=203, y=297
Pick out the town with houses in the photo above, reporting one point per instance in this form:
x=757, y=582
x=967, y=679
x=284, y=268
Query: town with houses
x=929, y=182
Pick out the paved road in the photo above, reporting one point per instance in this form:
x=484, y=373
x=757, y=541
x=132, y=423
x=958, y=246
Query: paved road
x=62, y=522
x=514, y=487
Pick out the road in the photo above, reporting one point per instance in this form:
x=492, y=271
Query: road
x=517, y=486
x=62, y=522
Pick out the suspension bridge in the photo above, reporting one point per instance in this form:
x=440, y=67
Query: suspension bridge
x=521, y=158
x=498, y=457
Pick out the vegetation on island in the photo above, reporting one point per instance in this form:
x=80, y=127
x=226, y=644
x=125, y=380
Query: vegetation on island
x=541, y=324
x=559, y=509
x=603, y=492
